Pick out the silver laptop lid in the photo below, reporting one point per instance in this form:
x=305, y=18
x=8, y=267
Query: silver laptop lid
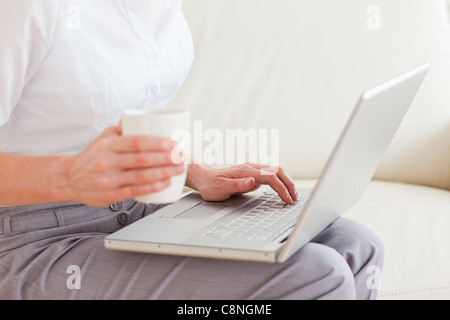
x=357, y=155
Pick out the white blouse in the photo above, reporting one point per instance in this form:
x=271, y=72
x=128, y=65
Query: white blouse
x=68, y=69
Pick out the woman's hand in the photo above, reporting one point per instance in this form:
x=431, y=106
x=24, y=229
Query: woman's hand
x=114, y=168
x=221, y=184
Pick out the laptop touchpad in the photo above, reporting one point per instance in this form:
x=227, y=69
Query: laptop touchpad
x=201, y=211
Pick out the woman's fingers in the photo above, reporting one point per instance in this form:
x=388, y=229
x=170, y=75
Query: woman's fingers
x=272, y=179
x=144, y=176
x=284, y=178
x=114, y=167
x=142, y=160
x=275, y=177
x=134, y=152
x=234, y=186
x=143, y=144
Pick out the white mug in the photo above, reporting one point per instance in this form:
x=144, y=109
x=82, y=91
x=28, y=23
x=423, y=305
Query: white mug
x=172, y=124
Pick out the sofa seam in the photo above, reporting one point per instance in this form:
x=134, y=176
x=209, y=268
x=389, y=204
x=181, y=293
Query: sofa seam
x=412, y=291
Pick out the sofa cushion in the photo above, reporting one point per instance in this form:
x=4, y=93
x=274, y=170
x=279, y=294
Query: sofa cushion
x=300, y=66
x=412, y=221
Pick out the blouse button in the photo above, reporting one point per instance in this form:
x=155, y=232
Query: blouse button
x=116, y=207
x=153, y=56
x=123, y=218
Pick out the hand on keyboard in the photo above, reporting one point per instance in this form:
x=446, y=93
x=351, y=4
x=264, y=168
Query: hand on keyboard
x=220, y=184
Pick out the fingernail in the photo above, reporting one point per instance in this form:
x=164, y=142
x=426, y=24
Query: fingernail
x=248, y=182
x=290, y=199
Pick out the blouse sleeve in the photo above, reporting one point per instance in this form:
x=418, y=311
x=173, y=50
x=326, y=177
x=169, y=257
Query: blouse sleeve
x=26, y=29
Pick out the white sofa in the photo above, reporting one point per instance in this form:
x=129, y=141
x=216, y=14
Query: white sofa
x=299, y=66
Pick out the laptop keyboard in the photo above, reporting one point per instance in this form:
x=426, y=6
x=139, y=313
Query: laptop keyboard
x=268, y=220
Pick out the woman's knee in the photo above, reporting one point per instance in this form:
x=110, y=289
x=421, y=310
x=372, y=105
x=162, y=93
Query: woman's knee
x=322, y=273
x=363, y=251
x=359, y=245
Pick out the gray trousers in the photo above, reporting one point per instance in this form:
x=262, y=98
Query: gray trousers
x=57, y=252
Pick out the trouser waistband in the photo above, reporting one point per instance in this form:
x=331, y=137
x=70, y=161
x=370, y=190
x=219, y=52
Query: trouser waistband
x=22, y=218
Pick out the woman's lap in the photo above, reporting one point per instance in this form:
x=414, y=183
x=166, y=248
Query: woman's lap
x=70, y=262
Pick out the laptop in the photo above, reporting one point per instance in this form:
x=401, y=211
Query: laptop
x=259, y=226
